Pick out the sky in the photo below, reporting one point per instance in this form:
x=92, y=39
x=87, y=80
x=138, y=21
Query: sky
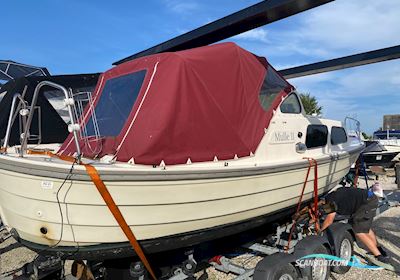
x=85, y=36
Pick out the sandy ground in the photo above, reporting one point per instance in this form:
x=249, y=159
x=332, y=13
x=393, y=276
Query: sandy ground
x=386, y=225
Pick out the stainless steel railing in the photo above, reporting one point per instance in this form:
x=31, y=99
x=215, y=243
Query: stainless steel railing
x=69, y=102
x=16, y=97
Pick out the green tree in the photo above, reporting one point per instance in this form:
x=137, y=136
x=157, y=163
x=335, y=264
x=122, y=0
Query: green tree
x=366, y=136
x=310, y=104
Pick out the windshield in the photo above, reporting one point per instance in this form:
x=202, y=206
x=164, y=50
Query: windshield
x=116, y=101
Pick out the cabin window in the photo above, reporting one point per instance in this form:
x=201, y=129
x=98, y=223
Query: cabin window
x=116, y=101
x=273, y=84
x=338, y=135
x=291, y=105
x=317, y=136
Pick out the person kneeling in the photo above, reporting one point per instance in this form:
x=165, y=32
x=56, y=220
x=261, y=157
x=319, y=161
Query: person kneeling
x=360, y=205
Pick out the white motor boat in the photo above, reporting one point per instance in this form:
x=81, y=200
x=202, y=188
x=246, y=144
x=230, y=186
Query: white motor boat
x=390, y=139
x=192, y=146
x=375, y=154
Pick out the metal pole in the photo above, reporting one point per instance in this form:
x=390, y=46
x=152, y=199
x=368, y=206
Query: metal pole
x=10, y=117
x=30, y=117
x=397, y=170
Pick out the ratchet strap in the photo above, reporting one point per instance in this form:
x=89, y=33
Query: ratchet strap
x=112, y=206
x=357, y=170
x=105, y=194
x=314, y=213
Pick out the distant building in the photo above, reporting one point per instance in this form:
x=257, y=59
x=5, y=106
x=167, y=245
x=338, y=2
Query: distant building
x=391, y=122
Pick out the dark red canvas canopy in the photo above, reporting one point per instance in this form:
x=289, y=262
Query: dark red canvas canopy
x=197, y=104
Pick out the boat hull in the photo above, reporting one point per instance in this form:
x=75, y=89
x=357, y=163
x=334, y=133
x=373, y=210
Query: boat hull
x=155, y=210
x=385, y=159
x=258, y=226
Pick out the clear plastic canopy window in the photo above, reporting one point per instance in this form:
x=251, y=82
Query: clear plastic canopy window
x=116, y=102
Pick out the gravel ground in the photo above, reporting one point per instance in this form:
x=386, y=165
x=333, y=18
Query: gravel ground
x=386, y=226
x=13, y=256
x=387, y=229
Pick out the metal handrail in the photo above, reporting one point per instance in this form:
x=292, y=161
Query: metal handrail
x=30, y=117
x=11, y=116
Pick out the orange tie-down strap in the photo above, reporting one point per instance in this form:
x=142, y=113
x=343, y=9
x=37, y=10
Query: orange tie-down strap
x=313, y=214
x=101, y=187
x=112, y=206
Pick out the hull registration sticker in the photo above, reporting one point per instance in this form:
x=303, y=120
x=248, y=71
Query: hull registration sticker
x=47, y=185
